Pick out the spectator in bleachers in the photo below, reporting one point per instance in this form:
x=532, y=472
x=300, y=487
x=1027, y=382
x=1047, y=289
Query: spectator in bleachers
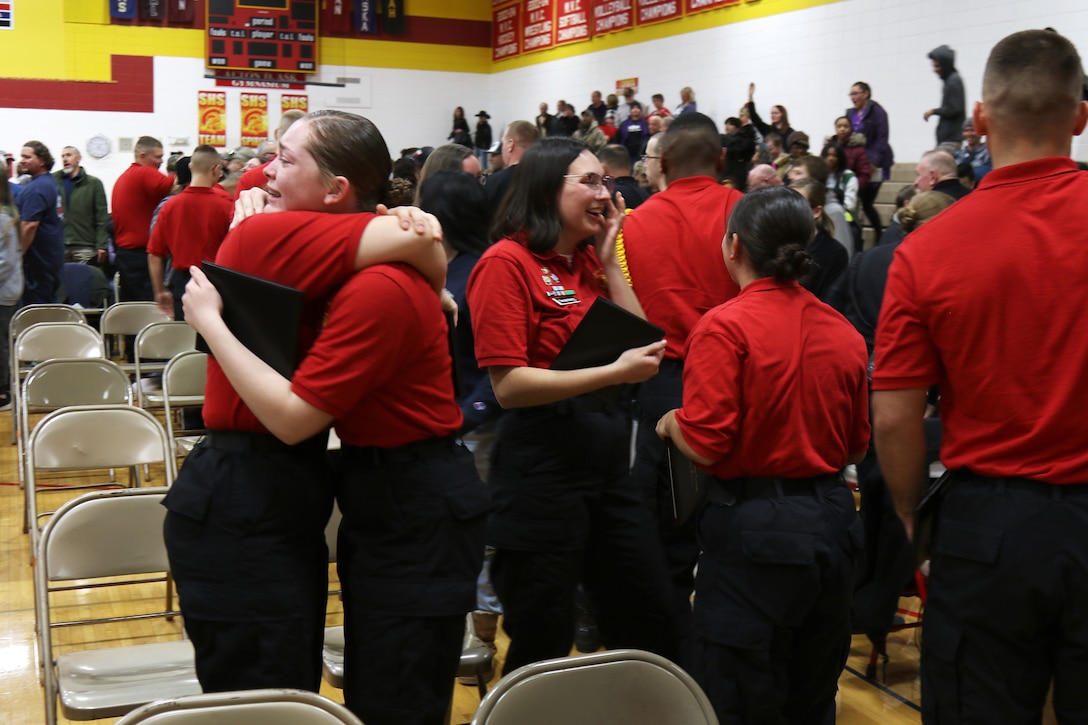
x=590, y=133
x=633, y=132
x=936, y=171
x=652, y=161
x=623, y=111
x=608, y=128
x=762, y=175
x=796, y=148
x=597, y=107
x=868, y=118
x=974, y=151
x=544, y=121
x=829, y=257
x=565, y=123
x=840, y=179
x=815, y=168
x=687, y=101
x=617, y=164
x=780, y=119
x=894, y=233
x=516, y=139
x=857, y=159
x=659, y=110
x=778, y=154
x=953, y=108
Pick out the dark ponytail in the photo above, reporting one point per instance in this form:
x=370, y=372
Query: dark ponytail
x=774, y=225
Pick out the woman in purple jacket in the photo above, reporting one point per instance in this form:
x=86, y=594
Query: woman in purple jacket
x=869, y=118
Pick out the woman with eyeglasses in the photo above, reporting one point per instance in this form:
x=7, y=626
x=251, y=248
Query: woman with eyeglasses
x=868, y=118
x=563, y=509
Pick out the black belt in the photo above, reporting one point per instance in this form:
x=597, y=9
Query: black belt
x=727, y=491
x=416, y=451
x=1055, y=490
x=263, y=443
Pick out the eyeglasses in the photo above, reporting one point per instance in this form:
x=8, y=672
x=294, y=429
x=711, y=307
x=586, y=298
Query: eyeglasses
x=647, y=157
x=594, y=181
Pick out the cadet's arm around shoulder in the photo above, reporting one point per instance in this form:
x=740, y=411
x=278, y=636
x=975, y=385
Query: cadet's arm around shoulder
x=416, y=241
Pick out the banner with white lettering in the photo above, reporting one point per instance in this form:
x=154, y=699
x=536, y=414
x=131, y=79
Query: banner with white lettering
x=254, y=118
x=335, y=16
x=294, y=102
x=571, y=21
x=698, y=6
x=212, y=114
x=124, y=9
x=537, y=22
x=610, y=16
x=505, y=29
x=657, y=11
x=366, y=18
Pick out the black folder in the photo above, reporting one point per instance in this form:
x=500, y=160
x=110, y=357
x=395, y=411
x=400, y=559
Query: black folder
x=264, y=316
x=687, y=483
x=603, y=335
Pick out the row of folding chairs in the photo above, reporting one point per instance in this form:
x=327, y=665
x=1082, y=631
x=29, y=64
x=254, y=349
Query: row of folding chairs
x=107, y=535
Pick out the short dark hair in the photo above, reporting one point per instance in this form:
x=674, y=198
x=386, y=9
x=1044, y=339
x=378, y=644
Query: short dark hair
x=530, y=210
x=1033, y=78
x=816, y=168
x=691, y=148
x=657, y=97
x=145, y=144
x=774, y=225
x=42, y=152
x=461, y=205
x=615, y=157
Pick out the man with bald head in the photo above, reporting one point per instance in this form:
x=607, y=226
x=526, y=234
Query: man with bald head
x=83, y=200
x=672, y=249
x=988, y=302
x=937, y=172
x=763, y=175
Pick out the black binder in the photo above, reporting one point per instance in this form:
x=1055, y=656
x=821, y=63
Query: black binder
x=264, y=316
x=687, y=483
x=603, y=335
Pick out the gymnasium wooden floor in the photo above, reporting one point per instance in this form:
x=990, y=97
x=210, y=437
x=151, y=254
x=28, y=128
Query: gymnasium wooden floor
x=863, y=701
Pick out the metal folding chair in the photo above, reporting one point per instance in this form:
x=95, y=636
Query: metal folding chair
x=268, y=707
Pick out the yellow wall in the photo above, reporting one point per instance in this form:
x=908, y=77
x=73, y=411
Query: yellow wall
x=73, y=39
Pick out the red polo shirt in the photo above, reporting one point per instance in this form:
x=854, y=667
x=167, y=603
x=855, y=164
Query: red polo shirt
x=136, y=193
x=310, y=251
x=673, y=246
x=775, y=385
x=526, y=305
x=191, y=226
x=988, y=300
x=381, y=365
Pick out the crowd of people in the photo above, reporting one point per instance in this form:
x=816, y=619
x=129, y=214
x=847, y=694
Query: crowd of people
x=779, y=334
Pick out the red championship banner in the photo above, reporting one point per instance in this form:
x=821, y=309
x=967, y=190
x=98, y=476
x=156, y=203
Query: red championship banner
x=698, y=6
x=658, y=11
x=212, y=114
x=571, y=21
x=254, y=119
x=294, y=102
x=505, y=27
x=612, y=15
x=537, y=21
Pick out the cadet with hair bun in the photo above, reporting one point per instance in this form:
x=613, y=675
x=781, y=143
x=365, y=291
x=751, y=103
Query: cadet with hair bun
x=775, y=405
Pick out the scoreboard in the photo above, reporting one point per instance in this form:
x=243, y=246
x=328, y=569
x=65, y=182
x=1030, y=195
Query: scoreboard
x=262, y=35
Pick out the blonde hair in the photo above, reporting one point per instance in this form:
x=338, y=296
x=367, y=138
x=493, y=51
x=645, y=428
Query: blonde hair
x=923, y=207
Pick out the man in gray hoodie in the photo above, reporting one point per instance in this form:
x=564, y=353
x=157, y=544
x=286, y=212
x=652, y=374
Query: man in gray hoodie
x=953, y=104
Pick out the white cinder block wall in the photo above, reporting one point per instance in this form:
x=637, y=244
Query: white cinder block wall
x=805, y=60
